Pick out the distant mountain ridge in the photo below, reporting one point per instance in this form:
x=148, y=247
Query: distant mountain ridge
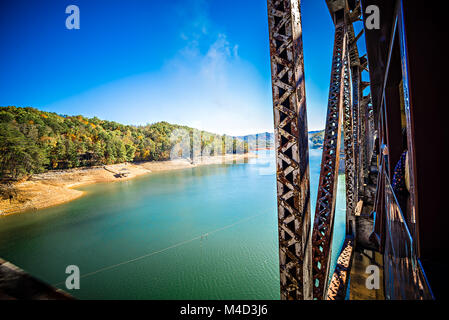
x=266, y=140
x=256, y=141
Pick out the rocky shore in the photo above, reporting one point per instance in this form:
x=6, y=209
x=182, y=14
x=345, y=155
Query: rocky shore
x=57, y=187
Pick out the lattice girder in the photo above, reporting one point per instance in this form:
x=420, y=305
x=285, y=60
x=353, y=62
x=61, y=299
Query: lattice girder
x=340, y=278
x=325, y=206
x=349, y=129
x=290, y=121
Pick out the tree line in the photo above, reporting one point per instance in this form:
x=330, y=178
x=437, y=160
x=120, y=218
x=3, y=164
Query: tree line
x=34, y=141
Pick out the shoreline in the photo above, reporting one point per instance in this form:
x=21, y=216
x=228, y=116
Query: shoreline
x=57, y=187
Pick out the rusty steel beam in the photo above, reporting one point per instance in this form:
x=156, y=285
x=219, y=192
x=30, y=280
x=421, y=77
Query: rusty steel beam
x=365, y=136
x=370, y=128
x=356, y=13
x=353, y=50
x=362, y=150
x=352, y=129
x=292, y=157
x=348, y=127
x=362, y=147
x=351, y=132
x=335, y=6
x=356, y=94
x=340, y=278
x=354, y=67
x=325, y=206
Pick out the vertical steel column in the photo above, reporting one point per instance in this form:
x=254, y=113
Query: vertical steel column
x=292, y=157
x=349, y=145
x=356, y=89
x=370, y=131
x=362, y=145
x=327, y=190
x=351, y=122
x=363, y=154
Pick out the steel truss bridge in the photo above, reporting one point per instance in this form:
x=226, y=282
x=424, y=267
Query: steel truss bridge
x=305, y=249
x=401, y=236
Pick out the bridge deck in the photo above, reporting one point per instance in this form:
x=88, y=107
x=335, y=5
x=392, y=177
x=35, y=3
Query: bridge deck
x=358, y=289
x=17, y=284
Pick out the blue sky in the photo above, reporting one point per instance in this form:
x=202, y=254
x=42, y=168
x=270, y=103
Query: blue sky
x=203, y=63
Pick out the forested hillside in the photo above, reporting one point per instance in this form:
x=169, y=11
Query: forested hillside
x=33, y=141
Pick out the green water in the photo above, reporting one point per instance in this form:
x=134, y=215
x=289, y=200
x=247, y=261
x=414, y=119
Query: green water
x=146, y=238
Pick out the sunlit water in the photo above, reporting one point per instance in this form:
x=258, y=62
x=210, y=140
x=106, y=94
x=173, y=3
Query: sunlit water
x=203, y=233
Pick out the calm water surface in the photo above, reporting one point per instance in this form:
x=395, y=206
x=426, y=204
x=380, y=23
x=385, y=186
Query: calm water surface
x=204, y=233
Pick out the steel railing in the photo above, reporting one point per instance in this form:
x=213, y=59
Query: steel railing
x=404, y=277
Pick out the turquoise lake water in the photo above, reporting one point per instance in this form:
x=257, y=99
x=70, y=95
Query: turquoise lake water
x=204, y=233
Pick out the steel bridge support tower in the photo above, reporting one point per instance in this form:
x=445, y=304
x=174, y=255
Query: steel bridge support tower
x=292, y=157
